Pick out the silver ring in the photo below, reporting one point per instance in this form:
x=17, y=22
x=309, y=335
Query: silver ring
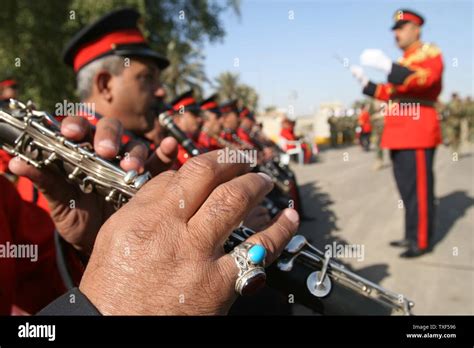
x=250, y=259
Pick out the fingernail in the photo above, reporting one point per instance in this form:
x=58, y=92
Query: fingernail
x=134, y=162
x=266, y=177
x=108, y=144
x=292, y=215
x=73, y=128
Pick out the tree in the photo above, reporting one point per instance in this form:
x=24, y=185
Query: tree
x=186, y=69
x=229, y=87
x=33, y=34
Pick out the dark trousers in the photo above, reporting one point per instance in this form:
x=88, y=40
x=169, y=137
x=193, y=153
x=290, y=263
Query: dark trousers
x=365, y=140
x=413, y=170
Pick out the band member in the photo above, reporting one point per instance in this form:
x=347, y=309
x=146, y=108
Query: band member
x=111, y=88
x=247, y=121
x=288, y=132
x=28, y=280
x=365, y=128
x=177, y=252
x=230, y=120
x=412, y=130
x=211, y=127
x=187, y=116
x=8, y=89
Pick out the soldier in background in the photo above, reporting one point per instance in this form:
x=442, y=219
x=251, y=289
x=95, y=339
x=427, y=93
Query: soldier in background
x=453, y=118
x=469, y=106
x=332, y=121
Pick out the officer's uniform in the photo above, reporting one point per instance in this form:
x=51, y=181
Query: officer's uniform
x=412, y=135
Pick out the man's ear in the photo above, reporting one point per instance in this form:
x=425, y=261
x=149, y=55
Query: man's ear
x=102, y=84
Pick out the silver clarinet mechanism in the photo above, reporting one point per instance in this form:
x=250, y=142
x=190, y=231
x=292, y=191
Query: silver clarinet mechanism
x=34, y=137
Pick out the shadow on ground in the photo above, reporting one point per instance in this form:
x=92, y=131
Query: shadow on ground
x=449, y=209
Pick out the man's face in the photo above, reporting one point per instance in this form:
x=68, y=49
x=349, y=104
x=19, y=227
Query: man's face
x=10, y=92
x=135, y=93
x=212, y=123
x=247, y=123
x=407, y=34
x=230, y=120
x=189, y=122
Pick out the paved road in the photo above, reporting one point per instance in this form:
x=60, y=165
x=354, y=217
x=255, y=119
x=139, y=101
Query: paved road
x=356, y=205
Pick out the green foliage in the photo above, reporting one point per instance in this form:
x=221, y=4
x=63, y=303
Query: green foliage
x=34, y=32
x=229, y=87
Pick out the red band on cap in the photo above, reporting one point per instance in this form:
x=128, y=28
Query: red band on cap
x=104, y=44
x=183, y=103
x=409, y=17
x=209, y=105
x=244, y=113
x=7, y=83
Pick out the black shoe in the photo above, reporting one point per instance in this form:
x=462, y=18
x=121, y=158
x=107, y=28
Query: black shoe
x=404, y=243
x=414, y=252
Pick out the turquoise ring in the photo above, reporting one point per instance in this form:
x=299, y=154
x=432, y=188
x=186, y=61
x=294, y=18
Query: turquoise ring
x=250, y=259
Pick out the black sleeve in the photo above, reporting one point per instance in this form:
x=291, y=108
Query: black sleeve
x=370, y=89
x=398, y=74
x=73, y=302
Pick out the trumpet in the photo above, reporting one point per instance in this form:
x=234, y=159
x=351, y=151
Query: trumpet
x=314, y=278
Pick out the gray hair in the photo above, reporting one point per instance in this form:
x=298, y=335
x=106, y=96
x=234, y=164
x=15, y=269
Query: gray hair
x=85, y=77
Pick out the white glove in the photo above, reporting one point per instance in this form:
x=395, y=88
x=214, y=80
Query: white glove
x=376, y=59
x=359, y=74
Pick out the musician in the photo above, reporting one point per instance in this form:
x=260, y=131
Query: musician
x=118, y=74
x=187, y=116
x=102, y=78
x=288, y=132
x=230, y=120
x=28, y=283
x=247, y=121
x=365, y=127
x=176, y=264
x=412, y=130
x=211, y=127
x=8, y=89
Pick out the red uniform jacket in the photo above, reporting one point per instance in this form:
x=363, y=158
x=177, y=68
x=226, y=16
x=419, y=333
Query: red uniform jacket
x=207, y=143
x=413, y=87
x=242, y=133
x=364, y=122
x=182, y=157
x=27, y=285
x=288, y=134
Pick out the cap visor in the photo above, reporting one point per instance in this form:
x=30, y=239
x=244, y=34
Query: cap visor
x=145, y=52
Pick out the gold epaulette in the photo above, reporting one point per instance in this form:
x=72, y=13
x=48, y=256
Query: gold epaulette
x=426, y=51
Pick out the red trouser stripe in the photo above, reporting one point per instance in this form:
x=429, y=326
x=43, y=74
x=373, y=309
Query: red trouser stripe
x=421, y=192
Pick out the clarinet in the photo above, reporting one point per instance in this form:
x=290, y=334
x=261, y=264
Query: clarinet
x=302, y=269
x=166, y=120
x=269, y=168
